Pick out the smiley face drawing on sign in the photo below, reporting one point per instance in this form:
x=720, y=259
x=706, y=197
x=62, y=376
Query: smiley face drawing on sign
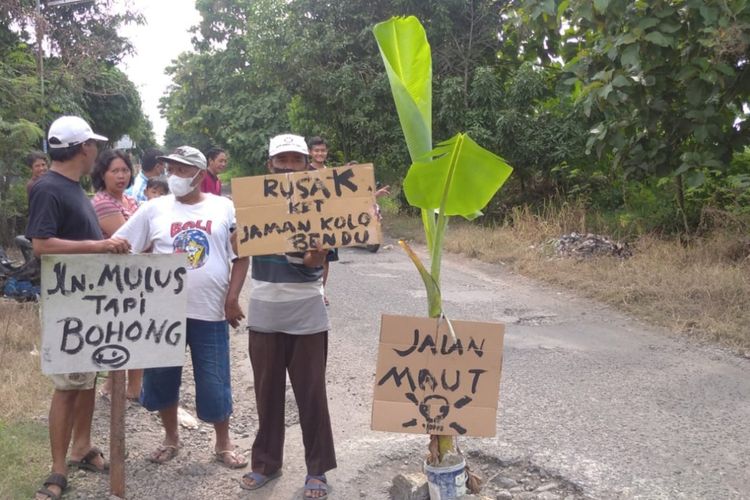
x=435, y=408
x=111, y=356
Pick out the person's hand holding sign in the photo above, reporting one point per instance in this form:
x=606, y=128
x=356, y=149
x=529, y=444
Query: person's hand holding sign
x=383, y=191
x=315, y=257
x=115, y=245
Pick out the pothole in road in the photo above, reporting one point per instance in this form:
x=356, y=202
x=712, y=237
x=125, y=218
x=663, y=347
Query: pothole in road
x=520, y=480
x=536, y=320
x=501, y=479
x=528, y=317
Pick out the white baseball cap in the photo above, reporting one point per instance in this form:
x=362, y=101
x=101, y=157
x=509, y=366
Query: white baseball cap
x=285, y=143
x=69, y=131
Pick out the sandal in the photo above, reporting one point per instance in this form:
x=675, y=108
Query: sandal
x=259, y=480
x=235, y=460
x=163, y=453
x=54, y=479
x=87, y=462
x=322, y=486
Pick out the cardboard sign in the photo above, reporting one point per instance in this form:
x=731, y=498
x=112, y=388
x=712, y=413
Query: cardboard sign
x=332, y=207
x=112, y=312
x=427, y=384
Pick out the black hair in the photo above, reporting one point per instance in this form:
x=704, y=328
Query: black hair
x=150, y=159
x=212, y=153
x=32, y=157
x=103, y=161
x=158, y=183
x=316, y=141
x=65, y=154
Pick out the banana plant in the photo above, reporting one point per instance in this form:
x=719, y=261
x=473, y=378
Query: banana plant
x=455, y=178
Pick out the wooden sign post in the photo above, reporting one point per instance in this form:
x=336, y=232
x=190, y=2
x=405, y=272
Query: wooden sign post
x=330, y=208
x=113, y=313
x=427, y=383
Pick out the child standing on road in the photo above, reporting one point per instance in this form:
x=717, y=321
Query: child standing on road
x=288, y=332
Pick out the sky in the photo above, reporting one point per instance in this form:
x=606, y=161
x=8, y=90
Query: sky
x=164, y=36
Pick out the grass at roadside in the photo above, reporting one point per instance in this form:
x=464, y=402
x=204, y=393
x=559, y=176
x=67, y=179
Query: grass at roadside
x=24, y=458
x=701, y=289
x=24, y=395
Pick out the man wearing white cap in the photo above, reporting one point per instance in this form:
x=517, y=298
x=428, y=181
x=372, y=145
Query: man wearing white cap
x=62, y=221
x=201, y=226
x=288, y=333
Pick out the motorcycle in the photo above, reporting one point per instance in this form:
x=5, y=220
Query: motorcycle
x=21, y=281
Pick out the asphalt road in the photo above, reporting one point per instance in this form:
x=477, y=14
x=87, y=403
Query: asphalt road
x=619, y=408
x=590, y=399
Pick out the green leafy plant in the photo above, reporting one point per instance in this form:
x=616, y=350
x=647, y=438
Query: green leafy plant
x=457, y=177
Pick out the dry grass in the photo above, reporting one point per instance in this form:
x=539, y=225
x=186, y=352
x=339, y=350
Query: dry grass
x=24, y=395
x=24, y=391
x=702, y=288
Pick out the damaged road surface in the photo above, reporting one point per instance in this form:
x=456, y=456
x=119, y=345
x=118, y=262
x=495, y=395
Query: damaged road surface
x=593, y=404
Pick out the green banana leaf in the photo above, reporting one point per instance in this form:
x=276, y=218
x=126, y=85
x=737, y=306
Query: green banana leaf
x=458, y=177
x=408, y=63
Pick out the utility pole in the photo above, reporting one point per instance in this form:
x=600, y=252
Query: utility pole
x=39, y=24
x=40, y=60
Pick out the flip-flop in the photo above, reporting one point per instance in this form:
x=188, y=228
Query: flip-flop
x=260, y=479
x=86, y=463
x=322, y=486
x=54, y=479
x=171, y=452
x=238, y=460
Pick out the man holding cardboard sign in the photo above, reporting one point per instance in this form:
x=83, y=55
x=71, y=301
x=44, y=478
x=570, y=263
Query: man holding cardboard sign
x=201, y=226
x=288, y=332
x=288, y=210
x=62, y=221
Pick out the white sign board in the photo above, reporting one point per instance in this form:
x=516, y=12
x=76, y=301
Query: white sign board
x=112, y=312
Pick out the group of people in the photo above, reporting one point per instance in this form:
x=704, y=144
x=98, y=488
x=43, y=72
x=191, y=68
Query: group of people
x=287, y=318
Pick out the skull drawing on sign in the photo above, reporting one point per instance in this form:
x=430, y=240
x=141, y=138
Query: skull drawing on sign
x=435, y=408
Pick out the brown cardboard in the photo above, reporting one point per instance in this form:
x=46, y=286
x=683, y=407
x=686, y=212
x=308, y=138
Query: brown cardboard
x=459, y=399
x=334, y=207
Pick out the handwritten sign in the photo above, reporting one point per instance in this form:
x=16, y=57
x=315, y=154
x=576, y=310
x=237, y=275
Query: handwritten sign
x=426, y=383
x=332, y=207
x=112, y=312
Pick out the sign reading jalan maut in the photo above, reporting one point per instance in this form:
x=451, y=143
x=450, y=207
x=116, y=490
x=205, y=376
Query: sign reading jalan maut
x=112, y=312
x=428, y=383
x=330, y=208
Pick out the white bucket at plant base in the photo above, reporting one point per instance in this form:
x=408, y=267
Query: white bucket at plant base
x=446, y=483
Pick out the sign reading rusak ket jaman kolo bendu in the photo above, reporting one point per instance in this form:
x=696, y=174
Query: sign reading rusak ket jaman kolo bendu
x=293, y=212
x=427, y=382
x=112, y=312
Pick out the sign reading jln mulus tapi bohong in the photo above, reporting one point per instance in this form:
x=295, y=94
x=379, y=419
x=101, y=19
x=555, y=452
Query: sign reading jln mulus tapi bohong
x=107, y=312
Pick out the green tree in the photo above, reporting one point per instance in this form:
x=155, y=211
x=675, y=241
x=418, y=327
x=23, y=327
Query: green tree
x=665, y=81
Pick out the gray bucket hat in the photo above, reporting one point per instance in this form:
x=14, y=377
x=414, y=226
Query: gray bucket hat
x=187, y=155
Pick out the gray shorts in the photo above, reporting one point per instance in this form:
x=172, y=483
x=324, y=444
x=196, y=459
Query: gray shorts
x=74, y=381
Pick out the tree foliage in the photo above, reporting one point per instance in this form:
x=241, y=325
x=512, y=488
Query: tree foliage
x=614, y=101
x=664, y=82
x=81, y=48
x=264, y=67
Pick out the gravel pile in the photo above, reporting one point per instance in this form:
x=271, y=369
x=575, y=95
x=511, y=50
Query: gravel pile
x=584, y=246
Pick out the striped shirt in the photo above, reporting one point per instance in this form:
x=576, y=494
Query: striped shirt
x=286, y=296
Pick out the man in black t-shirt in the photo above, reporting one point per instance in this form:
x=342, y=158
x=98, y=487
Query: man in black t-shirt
x=62, y=221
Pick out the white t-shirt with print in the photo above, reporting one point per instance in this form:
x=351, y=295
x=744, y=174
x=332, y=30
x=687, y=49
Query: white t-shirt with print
x=202, y=231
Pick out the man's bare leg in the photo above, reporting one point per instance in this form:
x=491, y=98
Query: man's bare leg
x=168, y=449
x=225, y=448
x=83, y=417
x=61, y=411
